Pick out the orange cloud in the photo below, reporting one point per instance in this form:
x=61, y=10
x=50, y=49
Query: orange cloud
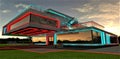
x=106, y=14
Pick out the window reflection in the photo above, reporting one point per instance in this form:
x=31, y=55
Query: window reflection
x=96, y=37
x=25, y=20
x=78, y=37
x=113, y=38
x=43, y=21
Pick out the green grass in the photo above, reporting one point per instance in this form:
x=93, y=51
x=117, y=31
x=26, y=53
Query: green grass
x=2, y=45
x=17, y=54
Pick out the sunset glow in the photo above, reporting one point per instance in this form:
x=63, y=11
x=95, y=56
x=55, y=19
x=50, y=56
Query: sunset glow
x=104, y=12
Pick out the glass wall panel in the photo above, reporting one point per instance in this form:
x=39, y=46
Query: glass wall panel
x=25, y=20
x=113, y=38
x=39, y=39
x=75, y=37
x=4, y=30
x=108, y=38
x=43, y=21
x=96, y=37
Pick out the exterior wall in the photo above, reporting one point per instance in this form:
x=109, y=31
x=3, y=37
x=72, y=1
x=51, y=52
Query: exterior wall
x=107, y=38
x=17, y=24
x=29, y=23
x=81, y=37
x=44, y=21
x=111, y=39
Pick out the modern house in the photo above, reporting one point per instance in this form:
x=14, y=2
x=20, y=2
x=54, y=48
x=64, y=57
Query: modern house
x=55, y=28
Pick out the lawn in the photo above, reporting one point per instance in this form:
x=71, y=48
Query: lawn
x=2, y=45
x=17, y=54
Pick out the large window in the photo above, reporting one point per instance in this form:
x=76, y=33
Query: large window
x=75, y=37
x=43, y=21
x=23, y=21
x=96, y=37
x=113, y=38
x=39, y=39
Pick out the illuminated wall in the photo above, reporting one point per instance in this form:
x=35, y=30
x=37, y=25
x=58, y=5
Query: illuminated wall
x=84, y=36
x=76, y=37
x=39, y=39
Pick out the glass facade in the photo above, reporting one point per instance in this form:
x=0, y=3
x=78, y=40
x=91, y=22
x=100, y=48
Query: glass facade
x=4, y=30
x=43, y=21
x=23, y=21
x=75, y=37
x=39, y=39
x=96, y=37
x=113, y=38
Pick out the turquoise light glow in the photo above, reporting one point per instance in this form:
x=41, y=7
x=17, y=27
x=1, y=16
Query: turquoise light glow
x=4, y=30
x=55, y=39
x=72, y=44
x=40, y=43
x=103, y=37
x=56, y=13
x=102, y=34
x=64, y=16
x=108, y=39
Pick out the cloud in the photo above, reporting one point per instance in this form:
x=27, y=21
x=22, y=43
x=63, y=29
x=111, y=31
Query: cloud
x=84, y=8
x=6, y=11
x=105, y=11
x=107, y=14
x=21, y=5
x=1, y=3
x=95, y=0
x=110, y=8
x=103, y=16
x=113, y=30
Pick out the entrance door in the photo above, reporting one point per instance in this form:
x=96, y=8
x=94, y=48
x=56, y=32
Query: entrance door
x=51, y=40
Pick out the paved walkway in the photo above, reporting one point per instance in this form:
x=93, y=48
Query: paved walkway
x=106, y=50
x=115, y=49
x=42, y=50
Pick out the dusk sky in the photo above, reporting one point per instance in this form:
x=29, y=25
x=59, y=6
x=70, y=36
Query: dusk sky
x=104, y=12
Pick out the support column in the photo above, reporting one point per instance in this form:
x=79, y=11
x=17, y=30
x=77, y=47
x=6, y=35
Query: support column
x=47, y=40
x=103, y=38
x=102, y=34
x=108, y=39
x=55, y=39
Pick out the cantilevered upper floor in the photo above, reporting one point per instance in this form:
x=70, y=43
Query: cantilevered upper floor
x=31, y=21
